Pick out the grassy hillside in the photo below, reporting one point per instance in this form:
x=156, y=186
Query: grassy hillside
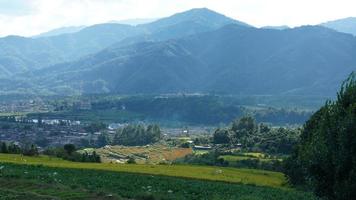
x=101, y=181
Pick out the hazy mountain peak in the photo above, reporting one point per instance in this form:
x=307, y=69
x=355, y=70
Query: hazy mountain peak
x=203, y=16
x=200, y=11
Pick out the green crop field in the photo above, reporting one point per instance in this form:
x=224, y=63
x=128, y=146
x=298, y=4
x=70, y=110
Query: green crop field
x=233, y=175
x=8, y=114
x=51, y=178
x=235, y=158
x=22, y=182
x=249, y=156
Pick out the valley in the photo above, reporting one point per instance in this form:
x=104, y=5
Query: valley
x=185, y=103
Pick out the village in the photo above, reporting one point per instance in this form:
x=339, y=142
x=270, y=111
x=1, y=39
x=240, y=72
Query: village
x=54, y=132
x=50, y=132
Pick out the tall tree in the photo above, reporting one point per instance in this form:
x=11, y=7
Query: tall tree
x=244, y=126
x=103, y=140
x=221, y=136
x=69, y=148
x=326, y=156
x=4, y=148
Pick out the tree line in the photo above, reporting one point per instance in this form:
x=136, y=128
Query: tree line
x=250, y=136
x=12, y=148
x=138, y=135
x=130, y=135
x=69, y=152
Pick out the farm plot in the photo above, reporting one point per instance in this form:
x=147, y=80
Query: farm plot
x=143, y=154
x=249, y=156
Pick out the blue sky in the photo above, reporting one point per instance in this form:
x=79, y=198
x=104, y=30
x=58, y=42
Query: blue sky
x=30, y=17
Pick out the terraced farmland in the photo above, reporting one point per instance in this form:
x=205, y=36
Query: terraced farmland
x=143, y=154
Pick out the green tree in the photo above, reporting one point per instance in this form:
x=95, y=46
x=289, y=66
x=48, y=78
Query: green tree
x=154, y=133
x=221, y=136
x=14, y=149
x=69, y=148
x=30, y=150
x=135, y=135
x=103, y=140
x=4, y=148
x=95, y=127
x=244, y=126
x=131, y=160
x=325, y=159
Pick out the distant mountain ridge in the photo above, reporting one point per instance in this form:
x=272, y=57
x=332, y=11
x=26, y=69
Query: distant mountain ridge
x=198, y=51
x=198, y=16
x=134, y=22
x=346, y=25
x=19, y=54
x=60, y=31
x=235, y=59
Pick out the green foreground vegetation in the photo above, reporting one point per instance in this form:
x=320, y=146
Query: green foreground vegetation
x=50, y=178
x=231, y=175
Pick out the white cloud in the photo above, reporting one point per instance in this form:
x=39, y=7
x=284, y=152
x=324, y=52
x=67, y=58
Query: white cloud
x=29, y=17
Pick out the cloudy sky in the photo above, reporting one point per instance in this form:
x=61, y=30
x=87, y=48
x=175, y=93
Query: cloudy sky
x=30, y=17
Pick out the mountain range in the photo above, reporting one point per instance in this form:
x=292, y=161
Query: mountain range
x=19, y=54
x=195, y=51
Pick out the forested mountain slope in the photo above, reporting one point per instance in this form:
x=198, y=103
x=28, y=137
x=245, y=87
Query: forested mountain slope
x=235, y=59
